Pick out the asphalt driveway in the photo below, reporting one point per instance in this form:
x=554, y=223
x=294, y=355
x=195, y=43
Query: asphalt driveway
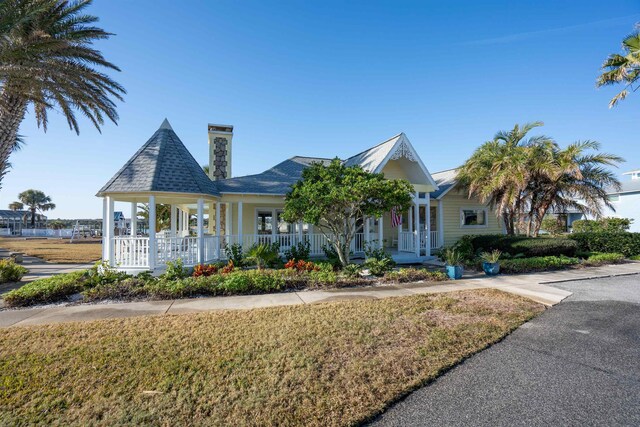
x=576, y=364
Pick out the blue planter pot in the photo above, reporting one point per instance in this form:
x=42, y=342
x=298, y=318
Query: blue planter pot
x=491, y=268
x=454, y=271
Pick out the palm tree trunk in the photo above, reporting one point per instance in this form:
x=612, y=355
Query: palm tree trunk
x=12, y=111
x=33, y=217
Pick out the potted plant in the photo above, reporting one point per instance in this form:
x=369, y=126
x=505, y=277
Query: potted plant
x=490, y=263
x=453, y=263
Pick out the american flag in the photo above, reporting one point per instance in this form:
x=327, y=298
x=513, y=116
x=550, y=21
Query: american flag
x=396, y=217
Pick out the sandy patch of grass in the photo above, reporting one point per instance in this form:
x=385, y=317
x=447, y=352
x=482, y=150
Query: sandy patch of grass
x=55, y=250
x=319, y=365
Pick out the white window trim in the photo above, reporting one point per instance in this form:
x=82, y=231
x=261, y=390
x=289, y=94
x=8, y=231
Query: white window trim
x=474, y=208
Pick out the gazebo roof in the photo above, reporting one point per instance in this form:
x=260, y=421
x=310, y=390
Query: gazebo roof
x=162, y=164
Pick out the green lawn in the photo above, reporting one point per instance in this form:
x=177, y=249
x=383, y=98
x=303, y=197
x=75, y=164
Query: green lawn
x=323, y=364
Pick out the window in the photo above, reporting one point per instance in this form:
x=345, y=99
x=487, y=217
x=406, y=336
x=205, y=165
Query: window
x=265, y=222
x=473, y=217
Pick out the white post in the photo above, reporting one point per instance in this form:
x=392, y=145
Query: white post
x=110, y=226
x=210, y=208
x=181, y=221
x=300, y=231
x=105, y=241
x=417, y=226
x=228, y=230
x=410, y=219
x=380, y=232
x=367, y=232
x=201, y=230
x=134, y=219
x=240, y=240
x=218, y=242
x=152, y=233
x=174, y=215
x=399, y=235
x=427, y=218
x=440, y=224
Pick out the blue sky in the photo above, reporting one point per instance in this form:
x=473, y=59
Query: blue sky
x=333, y=78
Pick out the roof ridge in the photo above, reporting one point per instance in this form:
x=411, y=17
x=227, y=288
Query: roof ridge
x=191, y=172
x=375, y=146
x=446, y=170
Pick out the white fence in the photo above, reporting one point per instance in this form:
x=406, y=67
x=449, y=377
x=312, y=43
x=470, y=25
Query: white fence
x=47, y=232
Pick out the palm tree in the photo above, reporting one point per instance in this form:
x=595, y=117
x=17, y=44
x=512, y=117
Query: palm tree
x=573, y=178
x=205, y=168
x=16, y=206
x=623, y=68
x=47, y=60
x=163, y=215
x=499, y=171
x=36, y=200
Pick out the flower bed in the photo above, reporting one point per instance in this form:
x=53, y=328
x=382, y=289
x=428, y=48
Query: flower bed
x=102, y=283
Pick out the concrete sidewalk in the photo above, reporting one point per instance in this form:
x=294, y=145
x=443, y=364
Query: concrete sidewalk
x=533, y=286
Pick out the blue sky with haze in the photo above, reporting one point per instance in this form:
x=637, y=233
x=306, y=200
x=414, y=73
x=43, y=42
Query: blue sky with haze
x=329, y=78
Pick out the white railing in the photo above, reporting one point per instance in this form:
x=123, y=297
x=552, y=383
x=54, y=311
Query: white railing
x=173, y=248
x=406, y=241
x=435, y=239
x=46, y=232
x=130, y=251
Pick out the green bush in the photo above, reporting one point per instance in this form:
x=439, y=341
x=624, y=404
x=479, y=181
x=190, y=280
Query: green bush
x=601, y=259
x=175, y=270
x=50, y=289
x=624, y=243
x=526, y=265
x=352, y=270
x=554, y=225
x=405, y=275
x=299, y=251
x=527, y=246
x=464, y=248
x=603, y=225
x=378, y=267
x=127, y=289
x=264, y=254
x=10, y=271
x=234, y=253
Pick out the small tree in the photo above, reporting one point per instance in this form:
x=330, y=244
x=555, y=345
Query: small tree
x=16, y=206
x=36, y=200
x=334, y=196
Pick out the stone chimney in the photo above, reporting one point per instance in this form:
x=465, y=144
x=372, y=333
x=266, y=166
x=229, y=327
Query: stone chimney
x=220, y=137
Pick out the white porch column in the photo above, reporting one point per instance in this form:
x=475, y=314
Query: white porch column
x=110, y=231
x=427, y=218
x=181, y=222
x=440, y=224
x=211, y=227
x=201, y=230
x=228, y=229
x=105, y=241
x=240, y=240
x=300, y=231
x=218, y=238
x=152, y=233
x=380, y=232
x=410, y=220
x=416, y=219
x=134, y=219
x=174, y=217
x=399, y=235
x=367, y=232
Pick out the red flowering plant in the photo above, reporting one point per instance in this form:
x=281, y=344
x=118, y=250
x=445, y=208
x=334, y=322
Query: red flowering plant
x=301, y=265
x=228, y=268
x=204, y=270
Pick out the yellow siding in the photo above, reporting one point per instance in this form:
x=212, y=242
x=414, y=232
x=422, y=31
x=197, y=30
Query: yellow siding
x=452, y=203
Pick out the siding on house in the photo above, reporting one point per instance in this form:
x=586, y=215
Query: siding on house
x=452, y=203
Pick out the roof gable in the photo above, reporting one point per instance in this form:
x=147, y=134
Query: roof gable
x=162, y=164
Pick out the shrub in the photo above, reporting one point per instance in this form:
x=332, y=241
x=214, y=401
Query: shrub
x=525, y=265
x=229, y=268
x=175, y=270
x=527, y=246
x=491, y=257
x=464, y=247
x=10, y=271
x=50, y=289
x=451, y=256
x=236, y=283
x=378, y=267
x=553, y=225
x=610, y=225
x=405, y=275
x=264, y=254
x=301, y=265
x=332, y=256
x=204, y=270
x=352, y=271
x=234, y=253
x=265, y=281
x=601, y=259
x=624, y=243
x=299, y=251
x=130, y=288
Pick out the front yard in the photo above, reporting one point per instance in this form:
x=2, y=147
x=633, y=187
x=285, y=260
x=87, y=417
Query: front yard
x=55, y=250
x=324, y=364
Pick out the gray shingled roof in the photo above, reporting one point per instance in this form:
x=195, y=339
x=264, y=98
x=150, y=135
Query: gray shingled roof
x=370, y=159
x=445, y=180
x=275, y=181
x=630, y=186
x=163, y=164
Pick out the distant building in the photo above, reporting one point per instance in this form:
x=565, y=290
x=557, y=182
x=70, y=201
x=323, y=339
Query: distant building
x=12, y=222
